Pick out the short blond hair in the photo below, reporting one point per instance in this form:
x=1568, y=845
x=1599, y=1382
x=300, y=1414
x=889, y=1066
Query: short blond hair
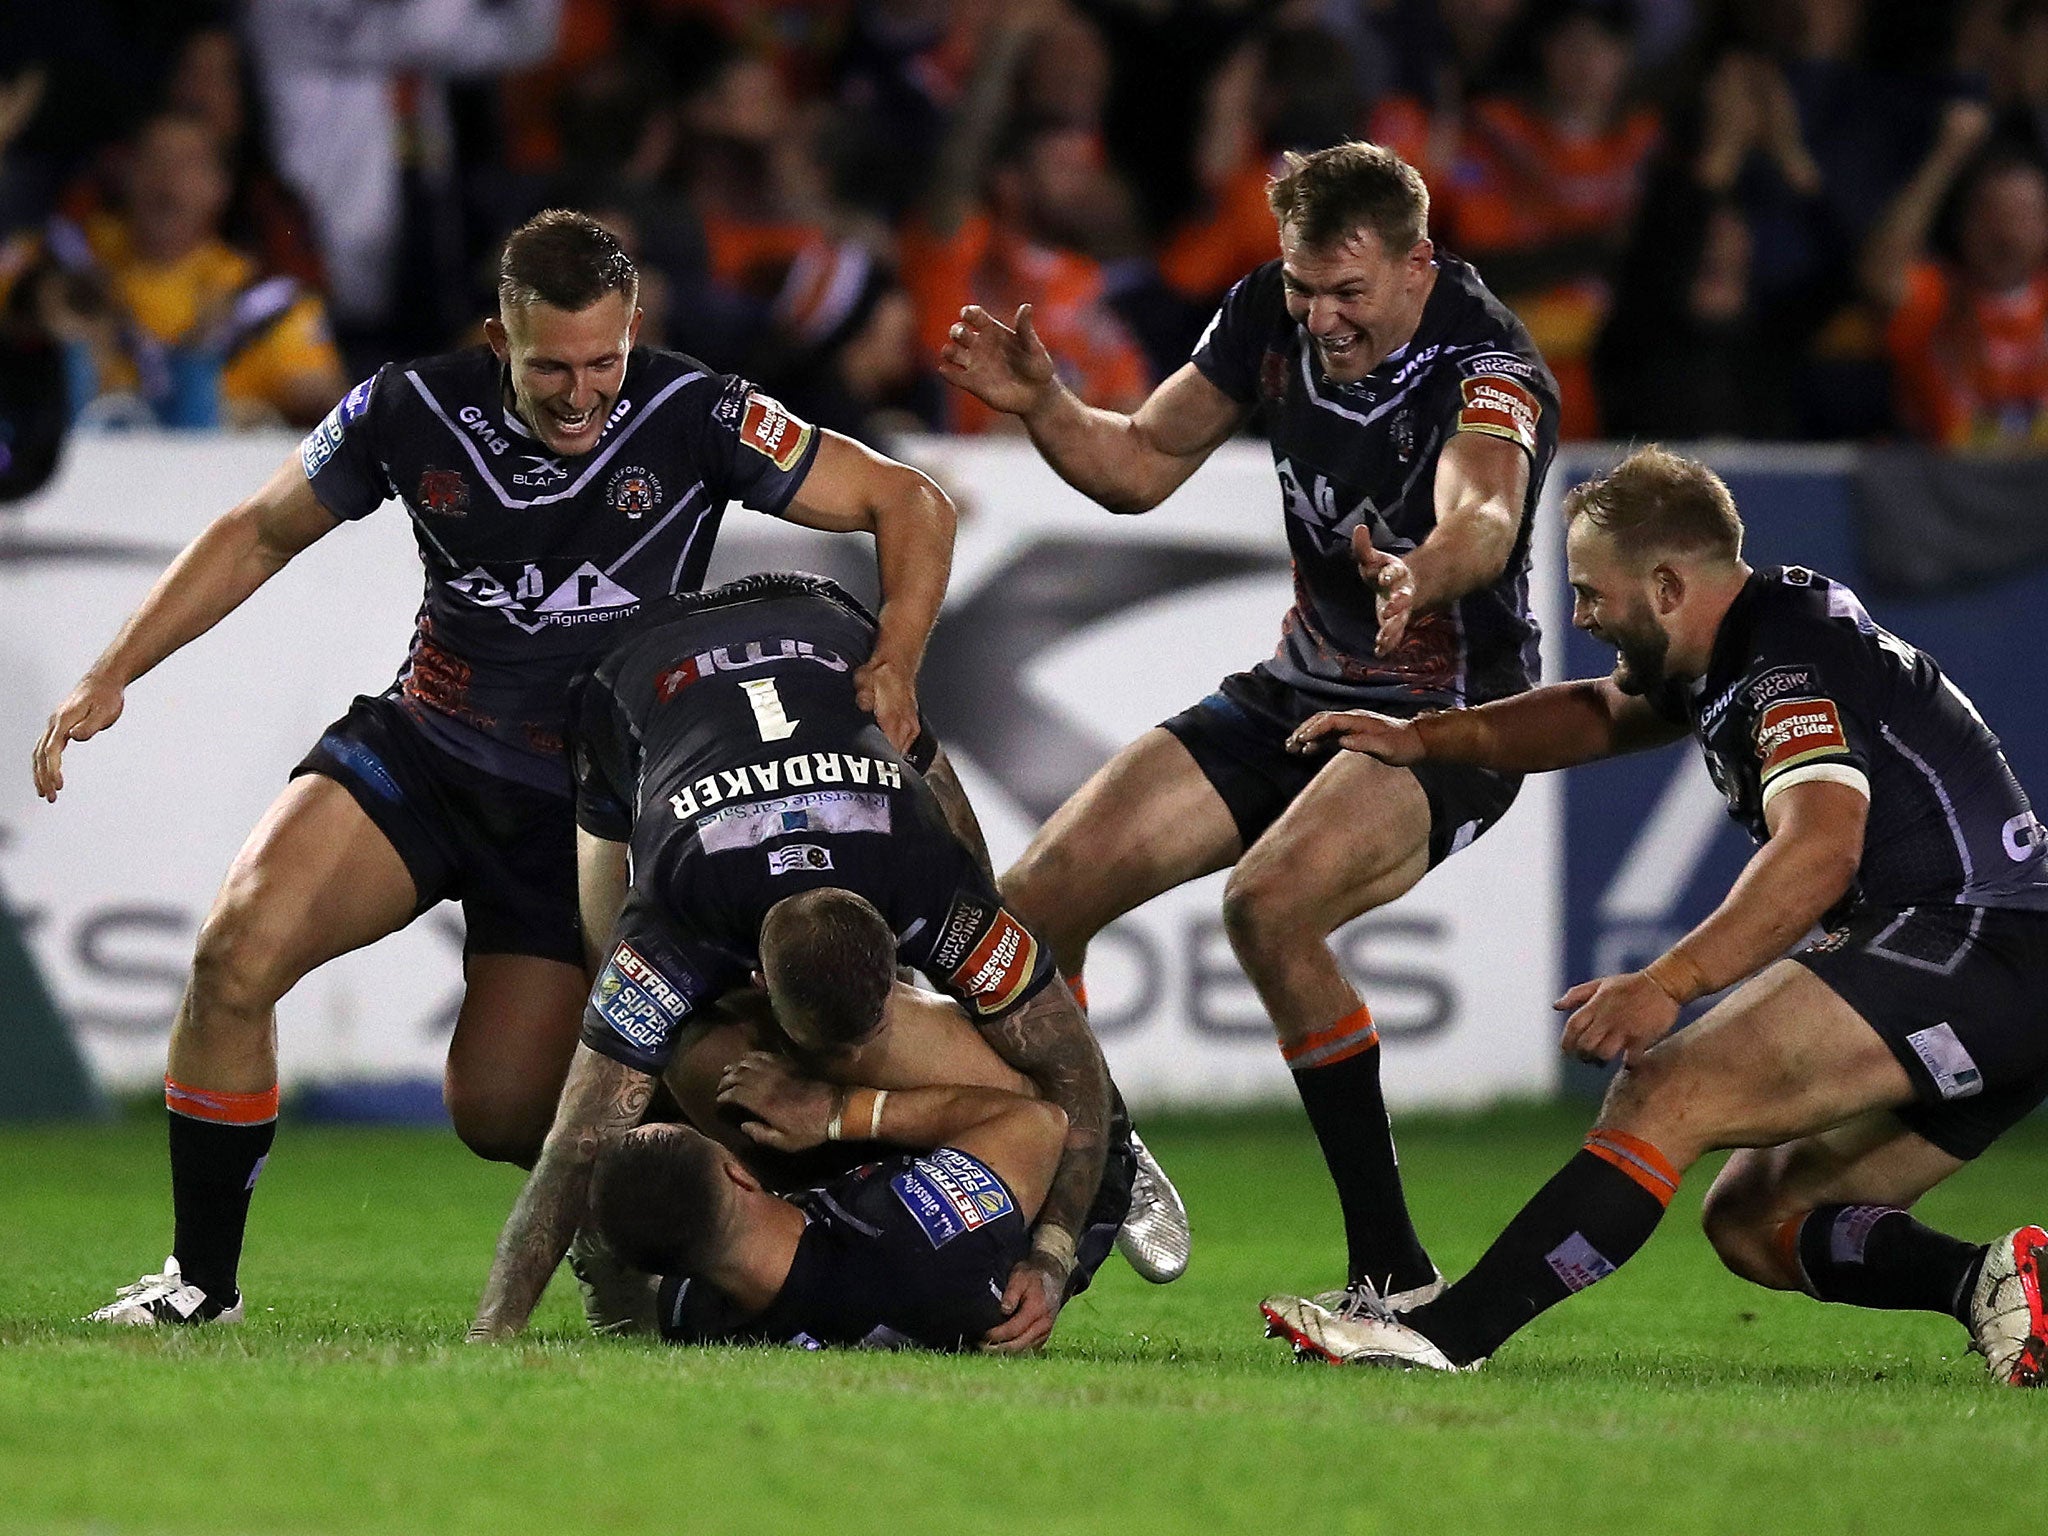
x=1328, y=196
x=1655, y=502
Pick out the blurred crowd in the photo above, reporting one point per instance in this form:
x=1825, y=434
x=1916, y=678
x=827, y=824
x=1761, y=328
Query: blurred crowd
x=1777, y=219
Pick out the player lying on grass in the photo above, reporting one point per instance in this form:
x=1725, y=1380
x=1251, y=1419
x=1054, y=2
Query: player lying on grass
x=1855, y=1075
x=912, y=1248
x=741, y=812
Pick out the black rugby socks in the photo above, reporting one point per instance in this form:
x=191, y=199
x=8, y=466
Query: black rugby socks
x=218, y=1145
x=1583, y=1225
x=1878, y=1256
x=1337, y=1073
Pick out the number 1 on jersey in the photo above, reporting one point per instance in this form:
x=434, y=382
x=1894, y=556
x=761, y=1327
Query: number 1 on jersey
x=768, y=715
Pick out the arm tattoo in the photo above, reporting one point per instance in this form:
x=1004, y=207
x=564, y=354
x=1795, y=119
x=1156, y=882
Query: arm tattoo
x=946, y=788
x=602, y=1099
x=1049, y=1042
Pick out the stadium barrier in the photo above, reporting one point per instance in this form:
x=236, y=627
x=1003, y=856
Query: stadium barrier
x=1068, y=632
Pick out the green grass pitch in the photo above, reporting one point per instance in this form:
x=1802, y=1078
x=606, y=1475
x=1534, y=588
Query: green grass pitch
x=1672, y=1398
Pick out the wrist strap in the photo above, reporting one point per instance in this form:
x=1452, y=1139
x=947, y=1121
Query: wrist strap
x=1057, y=1244
x=834, y=1128
x=1674, y=974
x=875, y=1115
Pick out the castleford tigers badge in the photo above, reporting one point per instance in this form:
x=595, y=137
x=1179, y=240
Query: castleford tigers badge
x=443, y=492
x=633, y=491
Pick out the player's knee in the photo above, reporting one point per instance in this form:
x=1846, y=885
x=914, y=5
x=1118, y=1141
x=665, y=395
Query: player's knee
x=1745, y=1222
x=237, y=974
x=1044, y=891
x=1260, y=910
x=496, y=1131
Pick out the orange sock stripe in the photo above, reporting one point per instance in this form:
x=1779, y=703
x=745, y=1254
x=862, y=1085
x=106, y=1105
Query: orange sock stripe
x=1788, y=1248
x=1079, y=988
x=1352, y=1035
x=221, y=1107
x=1638, y=1159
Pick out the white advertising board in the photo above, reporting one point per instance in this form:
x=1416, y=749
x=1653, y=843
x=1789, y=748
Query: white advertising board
x=1068, y=632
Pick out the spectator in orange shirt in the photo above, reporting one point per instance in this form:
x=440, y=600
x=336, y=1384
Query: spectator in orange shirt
x=1049, y=206
x=1540, y=190
x=183, y=321
x=1968, y=337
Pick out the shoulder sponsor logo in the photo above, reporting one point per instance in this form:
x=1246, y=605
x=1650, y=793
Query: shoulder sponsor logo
x=949, y=1193
x=639, y=1003
x=755, y=653
x=1501, y=407
x=356, y=401
x=1795, y=731
x=964, y=923
x=1507, y=363
x=540, y=471
x=320, y=443
x=479, y=427
x=1775, y=684
x=770, y=430
x=798, y=859
x=635, y=491
x=731, y=401
x=443, y=492
x=998, y=967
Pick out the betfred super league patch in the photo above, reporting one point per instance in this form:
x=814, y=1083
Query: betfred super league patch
x=769, y=429
x=950, y=1193
x=642, y=1006
x=1500, y=407
x=1795, y=731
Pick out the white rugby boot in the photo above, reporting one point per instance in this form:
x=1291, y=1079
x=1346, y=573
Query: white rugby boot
x=1154, y=1238
x=617, y=1299
x=165, y=1300
x=1365, y=1336
x=1361, y=1296
x=2008, y=1322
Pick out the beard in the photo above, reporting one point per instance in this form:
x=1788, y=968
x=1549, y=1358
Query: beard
x=1639, y=666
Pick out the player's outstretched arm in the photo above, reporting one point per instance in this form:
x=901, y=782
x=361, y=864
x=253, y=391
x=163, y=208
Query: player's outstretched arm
x=1815, y=846
x=602, y=1099
x=212, y=576
x=1558, y=726
x=852, y=489
x=1481, y=482
x=1127, y=463
x=1049, y=1041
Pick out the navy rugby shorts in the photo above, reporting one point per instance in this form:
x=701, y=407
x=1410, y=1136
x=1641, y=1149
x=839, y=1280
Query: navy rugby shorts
x=506, y=851
x=1960, y=995
x=1238, y=738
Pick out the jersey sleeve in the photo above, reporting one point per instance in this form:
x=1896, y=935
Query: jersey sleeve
x=654, y=982
x=1810, y=719
x=766, y=450
x=340, y=455
x=980, y=955
x=1233, y=348
x=601, y=757
x=1503, y=394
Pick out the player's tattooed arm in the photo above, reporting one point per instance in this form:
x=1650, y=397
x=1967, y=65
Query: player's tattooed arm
x=954, y=805
x=602, y=1099
x=1048, y=1040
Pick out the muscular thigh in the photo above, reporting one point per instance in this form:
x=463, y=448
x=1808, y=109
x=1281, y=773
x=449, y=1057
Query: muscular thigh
x=1355, y=839
x=1782, y=1058
x=520, y=1019
x=1148, y=821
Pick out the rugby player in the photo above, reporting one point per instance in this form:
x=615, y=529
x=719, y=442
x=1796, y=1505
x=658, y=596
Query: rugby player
x=907, y=1249
x=1856, y=1074
x=556, y=480
x=742, y=813
x=1411, y=422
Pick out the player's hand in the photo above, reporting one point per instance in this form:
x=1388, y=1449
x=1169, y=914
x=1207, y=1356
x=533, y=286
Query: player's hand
x=1360, y=730
x=1615, y=1016
x=1037, y=1288
x=1006, y=367
x=791, y=1112
x=1393, y=589
x=887, y=692
x=94, y=705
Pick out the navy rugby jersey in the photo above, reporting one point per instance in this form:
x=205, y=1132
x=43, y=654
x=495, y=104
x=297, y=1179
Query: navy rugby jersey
x=1804, y=685
x=1366, y=453
x=913, y=1249
x=719, y=739
x=531, y=558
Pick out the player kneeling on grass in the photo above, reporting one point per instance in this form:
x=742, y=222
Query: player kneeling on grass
x=1855, y=1075
x=910, y=1248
